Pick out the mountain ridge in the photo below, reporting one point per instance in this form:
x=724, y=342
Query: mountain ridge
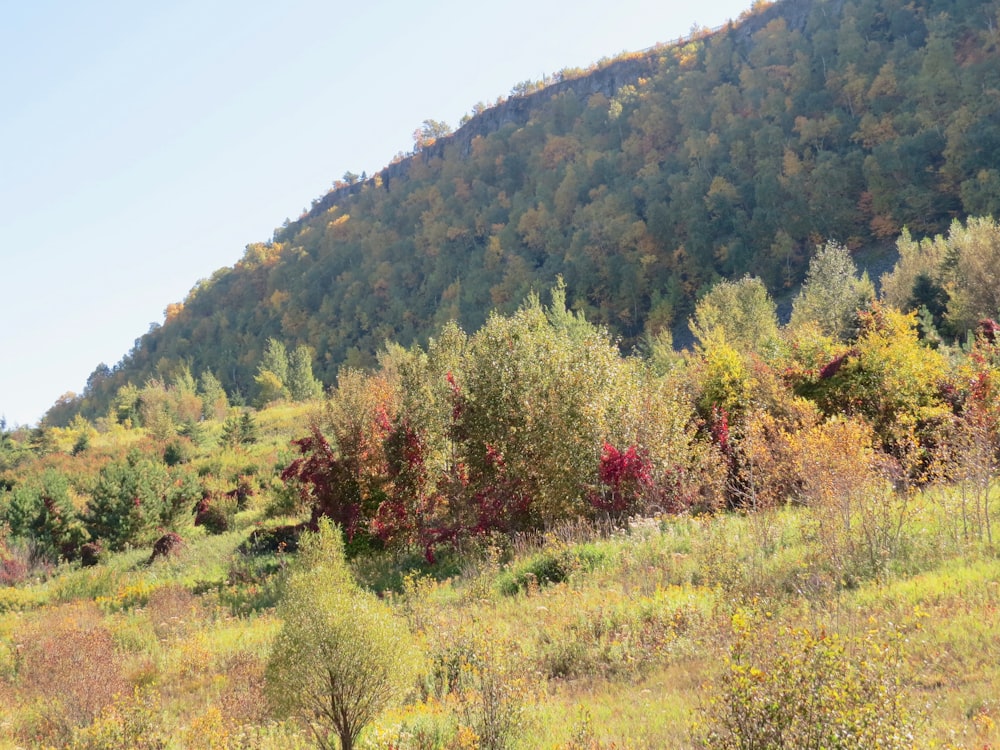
x=641, y=184
x=606, y=79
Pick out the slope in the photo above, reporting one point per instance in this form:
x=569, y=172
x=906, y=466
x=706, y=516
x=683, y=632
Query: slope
x=640, y=183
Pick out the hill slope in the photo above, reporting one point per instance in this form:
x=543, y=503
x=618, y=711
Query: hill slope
x=640, y=183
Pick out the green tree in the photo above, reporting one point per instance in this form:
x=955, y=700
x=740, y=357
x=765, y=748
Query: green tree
x=12, y=450
x=833, y=292
x=126, y=405
x=239, y=429
x=539, y=393
x=954, y=277
x=157, y=409
x=187, y=405
x=41, y=510
x=128, y=501
x=743, y=311
x=974, y=279
x=213, y=396
x=341, y=656
x=301, y=384
x=272, y=374
x=919, y=262
x=428, y=132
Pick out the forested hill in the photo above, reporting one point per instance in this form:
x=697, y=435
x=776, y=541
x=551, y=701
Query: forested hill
x=640, y=183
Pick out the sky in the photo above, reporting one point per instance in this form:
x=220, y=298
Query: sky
x=144, y=145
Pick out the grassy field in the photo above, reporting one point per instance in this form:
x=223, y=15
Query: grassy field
x=579, y=638
x=600, y=640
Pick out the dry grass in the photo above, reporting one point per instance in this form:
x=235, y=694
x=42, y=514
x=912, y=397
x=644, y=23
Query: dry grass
x=616, y=653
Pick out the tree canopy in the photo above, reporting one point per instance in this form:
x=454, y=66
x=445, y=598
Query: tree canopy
x=641, y=183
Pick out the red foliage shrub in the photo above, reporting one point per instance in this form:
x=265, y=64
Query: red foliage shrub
x=326, y=483
x=625, y=477
x=12, y=571
x=242, y=492
x=280, y=539
x=90, y=554
x=989, y=331
x=168, y=544
x=210, y=515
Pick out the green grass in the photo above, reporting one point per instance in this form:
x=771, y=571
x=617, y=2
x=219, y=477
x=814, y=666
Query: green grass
x=614, y=638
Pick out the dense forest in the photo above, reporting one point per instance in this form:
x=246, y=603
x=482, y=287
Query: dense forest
x=734, y=151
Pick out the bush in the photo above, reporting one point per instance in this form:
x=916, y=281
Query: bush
x=549, y=566
x=68, y=661
x=494, y=692
x=128, y=501
x=132, y=722
x=178, y=451
x=167, y=545
x=90, y=554
x=859, y=520
x=808, y=690
x=341, y=656
x=212, y=514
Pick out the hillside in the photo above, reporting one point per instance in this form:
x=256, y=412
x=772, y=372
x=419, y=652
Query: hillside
x=640, y=183
x=784, y=533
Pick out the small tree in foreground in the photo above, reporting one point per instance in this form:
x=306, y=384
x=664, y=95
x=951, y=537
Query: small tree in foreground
x=341, y=656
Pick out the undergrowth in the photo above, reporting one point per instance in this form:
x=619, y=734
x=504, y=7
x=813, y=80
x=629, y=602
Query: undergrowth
x=578, y=638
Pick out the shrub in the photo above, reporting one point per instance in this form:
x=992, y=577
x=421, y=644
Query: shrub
x=129, y=722
x=494, y=692
x=341, y=655
x=625, y=477
x=860, y=521
x=890, y=378
x=128, y=501
x=90, y=554
x=172, y=610
x=167, y=545
x=242, y=701
x=808, y=689
x=68, y=660
x=549, y=566
x=12, y=570
x=178, y=451
x=213, y=515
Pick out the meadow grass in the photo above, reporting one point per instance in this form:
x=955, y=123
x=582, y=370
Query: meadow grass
x=612, y=638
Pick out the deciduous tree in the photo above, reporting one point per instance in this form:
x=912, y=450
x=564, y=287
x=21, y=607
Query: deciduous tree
x=833, y=292
x=341, y=656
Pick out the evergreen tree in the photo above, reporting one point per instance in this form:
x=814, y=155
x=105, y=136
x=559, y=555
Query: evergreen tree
x=301, y=384
x=42, y=510
x=129, y=500
x=239, y=429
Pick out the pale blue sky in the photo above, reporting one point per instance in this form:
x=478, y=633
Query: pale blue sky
x=143, y=145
